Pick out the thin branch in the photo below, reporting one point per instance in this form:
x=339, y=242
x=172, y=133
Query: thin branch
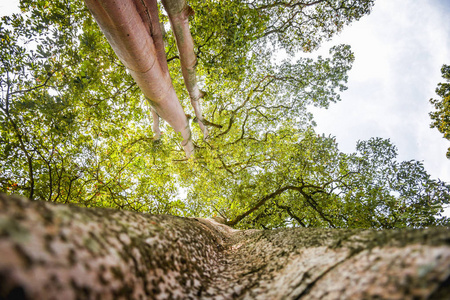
x=290, y=213
x=247, y=99
x=258, y=204
x=35, y=87
x=289, y=4
x=263, y=200
x=173, y=58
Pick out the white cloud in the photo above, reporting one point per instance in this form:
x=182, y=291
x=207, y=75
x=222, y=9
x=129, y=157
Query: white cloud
x=9, y=7
x=399, y=51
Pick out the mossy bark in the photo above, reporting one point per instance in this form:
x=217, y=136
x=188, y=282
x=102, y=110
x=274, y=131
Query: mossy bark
x=50, y=251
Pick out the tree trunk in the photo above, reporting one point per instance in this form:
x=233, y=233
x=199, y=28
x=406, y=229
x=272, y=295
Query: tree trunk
x=135, y=36
x=50, y=251
x=179, y=13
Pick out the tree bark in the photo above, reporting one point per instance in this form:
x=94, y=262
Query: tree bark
x=179, y=12
x=131, y=31
x=50, y=251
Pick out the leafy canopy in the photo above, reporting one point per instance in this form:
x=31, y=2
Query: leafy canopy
x=441, y=115
x=76, y=129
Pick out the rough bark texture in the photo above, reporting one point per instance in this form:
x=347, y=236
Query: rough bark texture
x=135, y=37
x=50, y=251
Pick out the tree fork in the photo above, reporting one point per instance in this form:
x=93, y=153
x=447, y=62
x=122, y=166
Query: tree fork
x=128, y=26
x=51, y=251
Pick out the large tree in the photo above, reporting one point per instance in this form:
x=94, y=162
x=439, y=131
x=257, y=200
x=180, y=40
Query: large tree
x=75, y=130
x=132, y=28
x=76, y=127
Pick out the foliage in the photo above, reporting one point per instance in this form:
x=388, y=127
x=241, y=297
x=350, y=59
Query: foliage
x=301, y=179
x=441, y=117
x=75, y=128
x=66, y=103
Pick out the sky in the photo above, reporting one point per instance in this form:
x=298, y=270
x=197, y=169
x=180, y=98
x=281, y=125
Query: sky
x=399, y=50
